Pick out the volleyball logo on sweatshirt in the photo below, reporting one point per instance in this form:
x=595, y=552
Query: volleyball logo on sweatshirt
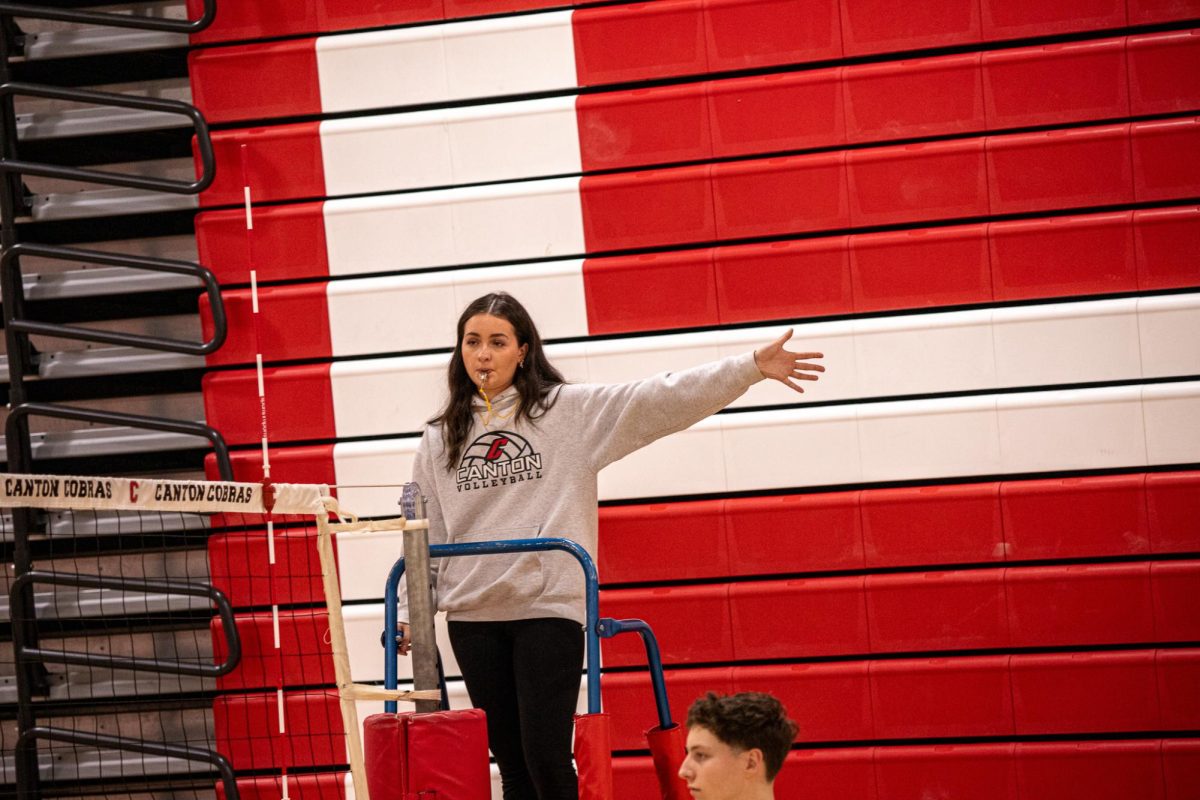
x=498, y=458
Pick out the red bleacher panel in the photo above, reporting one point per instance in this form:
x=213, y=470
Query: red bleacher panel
x=777, y=112
x=975, y=771
x=780, y=280
x=1056, y=84
x=1176, y=589
x=879, y=98
x=268, y=18
x=629, y=700
x=941, y=697
x=246, y=728
x=798, y=618
x=830, y=702
x=650, y=291
x=920, y=268
x=1059, y=169
x=670, y=541
x=258, y=81
x=1173, y=500
x=479, y=8
x=1090, y=770
x=756, y=33
x=305, y=786
x=909, y=183
x=691, y=624
x=299, y=398
x=1181, y=768
x=1012, y=19
x=283, y=162
x=794, y=533
x=1164, y=72
x=1167, y=240
x=1080, y=605
x=1075, y=517
x=1179, y=688
x=239, y=565
x=873, y=26
x=775, y=196
x=307, y=464
x=1164, y=163
x=1085, y=692
x=932, y=524
x=1063, y=256
x=846, y=774
x=303, y=657
x=937, y=611
x=1145, y=11
x=640, y=41
x=634, y=777
x=640, y=127
x=289, y=243
x=641, y=209
x=293, y=324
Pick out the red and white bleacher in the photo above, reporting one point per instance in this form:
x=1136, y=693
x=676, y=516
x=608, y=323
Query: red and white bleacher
x=964, y=559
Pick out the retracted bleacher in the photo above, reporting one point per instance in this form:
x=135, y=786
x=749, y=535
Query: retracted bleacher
x=964, y=559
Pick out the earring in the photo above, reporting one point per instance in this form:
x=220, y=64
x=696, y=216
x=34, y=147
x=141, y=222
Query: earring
x=521, y=363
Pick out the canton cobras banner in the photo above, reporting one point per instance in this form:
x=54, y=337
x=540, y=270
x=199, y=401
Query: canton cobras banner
x=67, y=491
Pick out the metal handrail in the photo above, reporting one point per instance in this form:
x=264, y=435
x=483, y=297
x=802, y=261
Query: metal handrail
x=29, y=11
x=591, y=598
x=203, y=140
x=218, y=598
x=609, y=627
x=18, y=413
x=28, y=739
x=8, y=261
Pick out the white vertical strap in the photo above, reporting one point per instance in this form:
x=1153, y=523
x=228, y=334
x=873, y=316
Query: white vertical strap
x=254, y=290
x=266, y=459
x=284, y=796
x=249, y=214
x=275, y=624
x=271, y=541
x=262, y=391
x=279, y=700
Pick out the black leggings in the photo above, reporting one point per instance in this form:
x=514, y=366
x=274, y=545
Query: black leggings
x=525, y=675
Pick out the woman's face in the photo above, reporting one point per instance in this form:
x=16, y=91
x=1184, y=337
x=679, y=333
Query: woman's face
x=491, y=353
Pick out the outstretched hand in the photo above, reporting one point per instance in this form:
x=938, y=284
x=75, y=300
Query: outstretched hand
x=785, y=366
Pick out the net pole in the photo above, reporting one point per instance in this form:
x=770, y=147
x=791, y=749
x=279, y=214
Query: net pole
x=341, y=659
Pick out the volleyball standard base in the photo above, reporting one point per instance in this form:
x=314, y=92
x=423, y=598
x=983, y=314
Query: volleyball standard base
x=442, y=754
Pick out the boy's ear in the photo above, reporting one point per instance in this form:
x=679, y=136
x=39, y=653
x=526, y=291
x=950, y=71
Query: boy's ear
x=754, y=761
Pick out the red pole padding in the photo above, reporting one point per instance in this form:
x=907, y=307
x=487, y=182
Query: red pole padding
x=442, y=754
x=667, y=748
x=593, y=756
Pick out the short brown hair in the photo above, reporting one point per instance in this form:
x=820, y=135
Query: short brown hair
x=746, y=721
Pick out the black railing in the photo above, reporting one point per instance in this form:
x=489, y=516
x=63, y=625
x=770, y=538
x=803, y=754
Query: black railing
x=91, y=97
x=34, y=11
x=10, y=262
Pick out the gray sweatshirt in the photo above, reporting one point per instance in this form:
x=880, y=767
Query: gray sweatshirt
x=518, y=480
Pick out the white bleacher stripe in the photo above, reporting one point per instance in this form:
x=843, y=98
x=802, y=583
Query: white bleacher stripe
x=1172, y=417
x=1071, y=429
x=880, y=357
x=1035, y=431
x=454, y=61
x=444, y=147
x=1067, y=343
x=1169, y=332
x=418, y=312
x=536, y=219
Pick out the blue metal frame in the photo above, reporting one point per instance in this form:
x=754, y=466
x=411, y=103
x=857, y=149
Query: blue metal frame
x=594, y=630
x=591, y=593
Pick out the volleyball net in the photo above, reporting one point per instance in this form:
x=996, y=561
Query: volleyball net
x=186, y=638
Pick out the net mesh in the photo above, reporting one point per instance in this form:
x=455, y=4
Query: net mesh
x=175, y=640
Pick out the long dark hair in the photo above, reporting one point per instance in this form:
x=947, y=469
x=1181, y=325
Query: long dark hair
x=535, y=381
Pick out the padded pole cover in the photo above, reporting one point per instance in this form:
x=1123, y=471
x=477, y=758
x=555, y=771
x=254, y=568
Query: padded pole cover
x=593, y=756
x=667, y=749
x=442, y=754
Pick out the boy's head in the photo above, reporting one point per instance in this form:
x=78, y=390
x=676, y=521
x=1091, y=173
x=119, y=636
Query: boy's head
x=735, y=745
